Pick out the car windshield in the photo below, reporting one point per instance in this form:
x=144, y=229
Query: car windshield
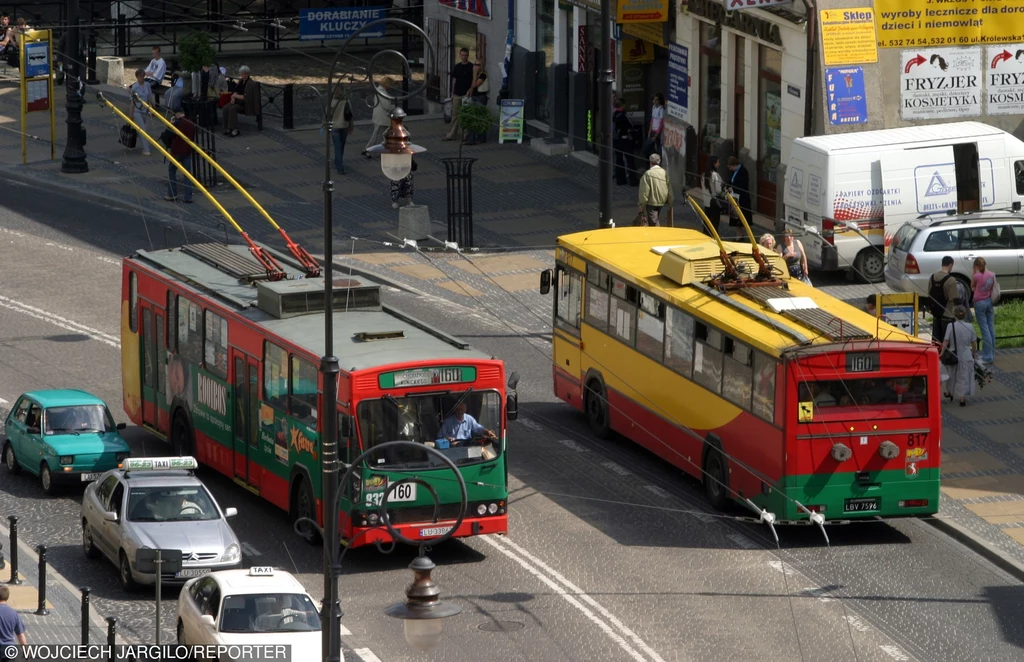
x=459, y=424
x=269, y=612
x=864, y=399
x=171, y=504
x=77, y=419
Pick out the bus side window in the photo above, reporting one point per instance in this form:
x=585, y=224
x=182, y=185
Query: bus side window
x=679, y=330
x=133, y=302
x=707, y=363
x=275, y=376
x=190, y=337
x=737, y=373
x=622, y=312
x=303, y=391
x=568, y=292
x=215, y=344
x=172, y=323
x=597, y=298
x=650, y=326
x=764, y=386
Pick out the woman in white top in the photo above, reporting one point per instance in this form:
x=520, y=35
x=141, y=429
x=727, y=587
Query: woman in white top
x=712, y=184
x=653, y=144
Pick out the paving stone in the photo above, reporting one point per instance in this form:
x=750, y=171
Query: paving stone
x=970, y=461
x=965, y=488
x=421, y=271
x=461, y=287
x=1013, y=509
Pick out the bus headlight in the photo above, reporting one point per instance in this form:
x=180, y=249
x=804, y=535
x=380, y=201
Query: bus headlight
x=481, y=509
x=493, y=508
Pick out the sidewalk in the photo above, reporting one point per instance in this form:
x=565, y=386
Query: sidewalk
x=63, y=625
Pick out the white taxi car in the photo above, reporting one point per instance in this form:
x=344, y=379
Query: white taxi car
x=260, y=606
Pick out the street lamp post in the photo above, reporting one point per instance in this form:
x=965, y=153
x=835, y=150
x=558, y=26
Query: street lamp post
x=73, y=161
x=423, y=611
x=396, y=162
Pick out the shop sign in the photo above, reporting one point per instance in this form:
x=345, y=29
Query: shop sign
x=847, y=102
x=642, y=11
x=637, y=51
x=633, y=95
x=581, y=49
x=678, y=82
x=912, y=23
x=339, y=23
x=510, y=126
x=940, y=83
x=848, y=36
x=1004, y=73
x=738, y=5
x=592, y=5
x=739, y=21
x=475, y=7
x=650, y=32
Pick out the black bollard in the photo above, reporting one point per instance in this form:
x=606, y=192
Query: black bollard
x=42, y=610
x=14, y=550
x=85, y=614
x=111, y=630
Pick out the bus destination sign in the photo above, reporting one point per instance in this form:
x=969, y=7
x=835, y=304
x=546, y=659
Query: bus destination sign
x=427, y=377
x=862, y=362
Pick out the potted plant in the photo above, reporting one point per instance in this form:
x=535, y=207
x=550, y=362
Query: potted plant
x=475, y=119
x=195, y=50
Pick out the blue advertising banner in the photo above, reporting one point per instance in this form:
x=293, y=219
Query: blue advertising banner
x=339, y=23
x=846, y=99
x=678, y=82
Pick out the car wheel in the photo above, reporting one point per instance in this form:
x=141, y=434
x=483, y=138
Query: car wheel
x=305, y=506
x=87, y=544
x=716, y=482
x=870, y=265
x=10, y=460
x=181, y=633
x=124, y=569
x=46, y=479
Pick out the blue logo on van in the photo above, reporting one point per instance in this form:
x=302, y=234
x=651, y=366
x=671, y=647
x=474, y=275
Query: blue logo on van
x=796, y=183
x=937, y=186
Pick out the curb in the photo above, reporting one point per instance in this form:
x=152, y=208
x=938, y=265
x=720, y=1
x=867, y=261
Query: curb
x=25, y=551
x=978, y=545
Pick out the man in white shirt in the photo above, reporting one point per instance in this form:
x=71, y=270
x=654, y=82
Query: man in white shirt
x=156, y=69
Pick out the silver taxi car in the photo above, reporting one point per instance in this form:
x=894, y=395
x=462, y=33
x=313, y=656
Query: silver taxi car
x=158, y=504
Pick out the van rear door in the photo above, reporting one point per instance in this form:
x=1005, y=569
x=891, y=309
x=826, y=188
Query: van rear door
x=916, y=182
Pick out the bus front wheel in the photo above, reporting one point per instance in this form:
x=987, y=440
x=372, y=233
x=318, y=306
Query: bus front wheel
x=716, y=483
x=304, y=505
x=597, y=410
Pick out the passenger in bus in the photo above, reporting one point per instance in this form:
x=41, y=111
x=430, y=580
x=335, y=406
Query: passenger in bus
x=822, y=396
x=882, y=392
x=916, y=392
x=460, y=426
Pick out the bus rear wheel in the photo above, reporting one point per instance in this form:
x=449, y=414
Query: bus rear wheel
x=181, y=436
x=596, y=405
x=716, y=483
x=304, y=505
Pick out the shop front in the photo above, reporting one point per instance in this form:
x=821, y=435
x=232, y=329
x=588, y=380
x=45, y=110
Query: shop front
x=750, y=74
x=480, y=26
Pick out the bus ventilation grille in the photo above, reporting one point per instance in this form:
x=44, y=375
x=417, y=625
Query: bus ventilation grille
x=220, y=256
x=824, y=323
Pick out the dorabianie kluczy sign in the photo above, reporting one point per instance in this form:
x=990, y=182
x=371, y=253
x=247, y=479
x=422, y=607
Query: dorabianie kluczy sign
x=339, y=23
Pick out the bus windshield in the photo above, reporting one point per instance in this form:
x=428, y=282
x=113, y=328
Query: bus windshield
x=866, y=399
x=465, y=426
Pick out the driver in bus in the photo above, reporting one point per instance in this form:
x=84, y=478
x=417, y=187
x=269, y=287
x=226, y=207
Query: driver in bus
x=460, y=426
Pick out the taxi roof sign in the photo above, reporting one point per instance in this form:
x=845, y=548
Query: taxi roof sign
x=159, y=463
x=261, y=571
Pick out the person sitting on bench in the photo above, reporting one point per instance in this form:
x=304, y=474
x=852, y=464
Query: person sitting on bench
x=155, y=71
x=245, y=99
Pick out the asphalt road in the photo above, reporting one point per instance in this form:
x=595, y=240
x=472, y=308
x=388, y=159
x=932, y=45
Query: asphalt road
x=612, y=554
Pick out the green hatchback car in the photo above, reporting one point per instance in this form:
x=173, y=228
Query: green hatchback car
x=62, y=436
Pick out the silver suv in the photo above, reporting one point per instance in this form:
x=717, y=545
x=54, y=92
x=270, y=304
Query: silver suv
x=918, y=247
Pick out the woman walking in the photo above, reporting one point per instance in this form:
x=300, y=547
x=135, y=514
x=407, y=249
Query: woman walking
x=982, y=284
x=653, y=144
x=713, y=185
x=342, y=125
x=962, y=341
x=795, y=256
x=381, y=114
x=138, y=111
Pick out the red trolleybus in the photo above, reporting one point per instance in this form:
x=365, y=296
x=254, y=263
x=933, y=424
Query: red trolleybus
x=711, y=357
x=220, y=356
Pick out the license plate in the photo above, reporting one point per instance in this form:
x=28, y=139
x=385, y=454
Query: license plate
x=434, y=532
x=192, y=572
x=86, y=478
x=860, y=505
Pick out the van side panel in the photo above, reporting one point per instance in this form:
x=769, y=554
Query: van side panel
x=805, y=198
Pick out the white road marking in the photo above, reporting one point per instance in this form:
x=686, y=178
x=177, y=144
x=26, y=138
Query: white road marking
x=742, y=541
x=857, y=624
x=569, y=443
x=62, y=322
x=3, y=402
x=657, y=491
x=616, y=468
x=531, y=563
x=60, y=246
x=250, y=550
x=703, y=517
x=344, y=631
x=366, y=655
x=895, y=652
x=109, y=260
x=526, y=422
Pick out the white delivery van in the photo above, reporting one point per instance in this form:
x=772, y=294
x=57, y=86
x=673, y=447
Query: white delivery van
x=856, y=189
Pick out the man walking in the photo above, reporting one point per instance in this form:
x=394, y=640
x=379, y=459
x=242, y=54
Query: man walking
x=12, y=629
x=182, y=153
x=943, y=297
x=655, y=193
x=462, y=81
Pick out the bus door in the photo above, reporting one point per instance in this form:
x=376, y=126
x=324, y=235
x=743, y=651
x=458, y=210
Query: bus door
x=148, y=362
x=162, y=416
x=245, y=382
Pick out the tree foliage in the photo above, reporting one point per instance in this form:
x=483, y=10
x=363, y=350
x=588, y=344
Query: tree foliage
x=194, y=51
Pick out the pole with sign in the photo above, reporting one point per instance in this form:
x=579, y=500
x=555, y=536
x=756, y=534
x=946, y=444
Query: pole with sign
x=158, y=561
x=899, y=310
x=36, y=85
x=510, y=126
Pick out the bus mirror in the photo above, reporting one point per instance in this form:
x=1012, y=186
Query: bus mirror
x=513, y=380
x=545, y=281
x=511, y=407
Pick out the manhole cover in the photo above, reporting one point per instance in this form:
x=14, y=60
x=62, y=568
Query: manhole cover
x=501, y=626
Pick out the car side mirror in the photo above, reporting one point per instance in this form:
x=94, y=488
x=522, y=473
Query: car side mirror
x=122, y=426
x=110, y=516
x=513, y=380
x=207, y=620
x=230, y=512
x=32, y=430
x=511, y=407
x=545, y=281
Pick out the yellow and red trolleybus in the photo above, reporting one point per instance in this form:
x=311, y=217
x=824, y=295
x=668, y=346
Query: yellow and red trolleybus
x=220, y=348
x=711, y=357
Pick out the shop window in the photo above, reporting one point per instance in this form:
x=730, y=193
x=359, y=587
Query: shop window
x=707, y=357
x=598, y=283
x=215, y=344
x=545, y=48
x=764, y=387
x=679, y=342
x=569, y=290
x=737, y=373
x=739, y=115
x=275, y=376
x=770, y=114
x=190, y=334
x=650, y=326
x=710, y=88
